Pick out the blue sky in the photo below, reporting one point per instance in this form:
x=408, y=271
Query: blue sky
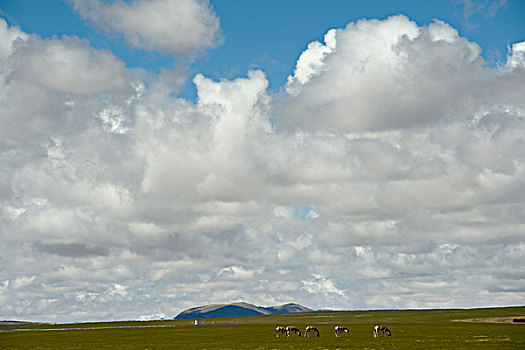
x=157, y=155
x=270, y=35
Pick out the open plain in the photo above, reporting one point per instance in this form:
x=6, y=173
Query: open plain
x=411, y=329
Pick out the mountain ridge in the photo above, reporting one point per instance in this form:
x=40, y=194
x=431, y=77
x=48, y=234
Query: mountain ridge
x=237, y=309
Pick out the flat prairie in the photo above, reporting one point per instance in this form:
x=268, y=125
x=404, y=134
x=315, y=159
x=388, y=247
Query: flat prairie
x=488, y=328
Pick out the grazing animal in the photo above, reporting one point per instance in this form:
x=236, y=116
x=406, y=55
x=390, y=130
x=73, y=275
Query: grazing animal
x=383, y=330
x=292, y=329
x=339, y=330
x=311, y=329
x=279, y=331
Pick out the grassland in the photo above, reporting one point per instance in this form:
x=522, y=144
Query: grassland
x=411, y=329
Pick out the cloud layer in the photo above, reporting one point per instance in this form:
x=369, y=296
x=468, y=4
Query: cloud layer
x=388, y=174
x=377, y=75
x=181, y=27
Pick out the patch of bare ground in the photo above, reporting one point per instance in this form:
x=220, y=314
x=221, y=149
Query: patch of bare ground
x=507, y=319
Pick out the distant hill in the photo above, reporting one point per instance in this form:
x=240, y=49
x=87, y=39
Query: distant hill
x=236, y=310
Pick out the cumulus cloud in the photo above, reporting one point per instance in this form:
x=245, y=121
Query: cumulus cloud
x=118, y=200
x=55, y=75
x=67, y=65
x=322, y=285
x=8, y=36
x=380, y=75
x=181, y=27
x=516, y=59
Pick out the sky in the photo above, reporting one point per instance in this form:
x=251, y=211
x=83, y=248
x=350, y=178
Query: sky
x=165, y=154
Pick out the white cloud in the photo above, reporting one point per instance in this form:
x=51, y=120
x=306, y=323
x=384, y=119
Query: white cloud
x=311, y=62
x=8, y=36
x=408, y=176
x=385, y=74
x=4, y=285
x=145, y=229
x=113, y=120
x=155, y=316
x=322, y=285
x=181, y=27
x=66, y=65
x=236, y=273
x=118, y=289
x=22, y=281
x=516, y=58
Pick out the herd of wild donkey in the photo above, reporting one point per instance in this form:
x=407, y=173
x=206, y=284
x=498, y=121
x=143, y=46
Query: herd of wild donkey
x=312, y=331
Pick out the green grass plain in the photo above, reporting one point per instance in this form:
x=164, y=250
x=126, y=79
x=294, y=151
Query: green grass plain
x=411, y=329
